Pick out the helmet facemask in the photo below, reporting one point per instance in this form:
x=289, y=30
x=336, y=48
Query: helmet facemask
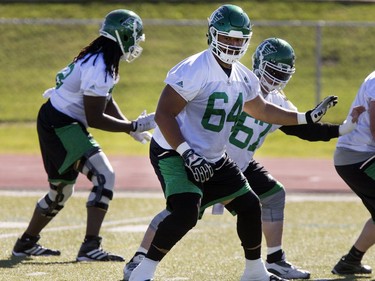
x=134, y=50
x=228, y=53
x=274, y=77
x=229, y=21
x=273, y=63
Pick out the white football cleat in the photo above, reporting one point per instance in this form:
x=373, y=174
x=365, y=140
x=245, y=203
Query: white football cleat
x=286, y=270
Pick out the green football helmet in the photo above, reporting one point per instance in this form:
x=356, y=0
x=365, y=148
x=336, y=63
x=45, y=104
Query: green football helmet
x=273, y=63
x=126, y=28
x=229, y=21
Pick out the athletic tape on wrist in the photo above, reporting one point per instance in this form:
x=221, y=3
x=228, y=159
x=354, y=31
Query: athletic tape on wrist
x=301, y=118
x=182, y=148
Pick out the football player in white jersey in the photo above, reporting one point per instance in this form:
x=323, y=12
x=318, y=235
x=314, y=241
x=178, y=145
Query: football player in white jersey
x=83, y=98
x=274, y=64
x=354, y=160
x=203, y=98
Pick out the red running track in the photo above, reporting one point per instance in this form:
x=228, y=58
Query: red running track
x=20, y=172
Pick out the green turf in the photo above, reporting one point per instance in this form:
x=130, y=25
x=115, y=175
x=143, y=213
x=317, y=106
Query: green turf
x=316, y=233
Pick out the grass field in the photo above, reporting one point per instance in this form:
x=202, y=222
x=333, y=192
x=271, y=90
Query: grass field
x=32, y=54
x=318, y=230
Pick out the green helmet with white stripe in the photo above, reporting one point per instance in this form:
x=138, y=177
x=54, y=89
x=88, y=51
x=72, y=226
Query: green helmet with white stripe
x=229, y=21
x=126, y=28
x=274, y=63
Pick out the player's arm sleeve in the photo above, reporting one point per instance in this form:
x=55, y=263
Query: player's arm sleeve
x=186, y=80
x=312, y=132
x=96, y=82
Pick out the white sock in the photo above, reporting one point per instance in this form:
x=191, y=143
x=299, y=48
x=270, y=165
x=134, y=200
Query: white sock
x=271, y=250
x=255, y=270
x=142, y=250
x=145, y=270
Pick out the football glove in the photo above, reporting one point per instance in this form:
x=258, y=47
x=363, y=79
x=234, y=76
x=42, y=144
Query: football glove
x=346, y=127
x=142, y=137
x=144, y=122
x=201, y=170
x=314, y=115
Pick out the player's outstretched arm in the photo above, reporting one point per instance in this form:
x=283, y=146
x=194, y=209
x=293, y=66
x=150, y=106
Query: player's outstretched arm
x=312, y=132
x=273, y=114
x=324, y=131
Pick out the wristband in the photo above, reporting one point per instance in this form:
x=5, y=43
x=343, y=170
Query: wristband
x=301, y=118
x=182, y=148
x=134, y=125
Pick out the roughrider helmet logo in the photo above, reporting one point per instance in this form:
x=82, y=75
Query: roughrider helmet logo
x=129, y=22
x=216, y=17
x=267, y=49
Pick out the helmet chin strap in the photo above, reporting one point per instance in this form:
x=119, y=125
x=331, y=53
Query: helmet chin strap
x=120, y=44
x=135, y=50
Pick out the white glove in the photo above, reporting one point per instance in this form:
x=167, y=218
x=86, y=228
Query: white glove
x=351, y=121
x=144, y=122
x=347, y=126
x=142, y=137
x=314, y=115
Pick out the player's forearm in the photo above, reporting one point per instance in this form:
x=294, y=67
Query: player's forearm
x=270, y=113
x=111, y=124
x=274, y=114
x=313, y=132
x=114, y=110
x=170, y=129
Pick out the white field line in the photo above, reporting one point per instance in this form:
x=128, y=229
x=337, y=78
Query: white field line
x=321, y=197
x=290, y=197
x=145, y=220
x=117, y=194
x=38, y=193
x=293, y=197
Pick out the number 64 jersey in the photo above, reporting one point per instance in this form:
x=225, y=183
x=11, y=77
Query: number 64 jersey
x=214, y=102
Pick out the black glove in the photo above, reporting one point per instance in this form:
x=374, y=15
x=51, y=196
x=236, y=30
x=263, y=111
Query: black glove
x=198, y=166
x=314, y=115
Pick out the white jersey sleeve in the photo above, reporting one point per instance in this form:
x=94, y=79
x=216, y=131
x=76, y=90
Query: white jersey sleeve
x=249, y=134
x=214, y=102
x=79, y=79
x=187, y=77
x=360, y=139
x=94, y=80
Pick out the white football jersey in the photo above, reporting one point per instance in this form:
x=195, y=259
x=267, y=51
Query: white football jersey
x=360, y=139
x=214, y=102
x=249, y=133
x=79, y=79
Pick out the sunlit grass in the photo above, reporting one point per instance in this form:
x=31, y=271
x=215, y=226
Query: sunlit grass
x=315, y=237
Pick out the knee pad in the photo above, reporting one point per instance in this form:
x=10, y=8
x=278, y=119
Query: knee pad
x=247, y=203
x=100, y=172
x=183, y=217
x=184, y=212
x=249, y=223
x=54, y=200
x=273, y=206
x=158, y=218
